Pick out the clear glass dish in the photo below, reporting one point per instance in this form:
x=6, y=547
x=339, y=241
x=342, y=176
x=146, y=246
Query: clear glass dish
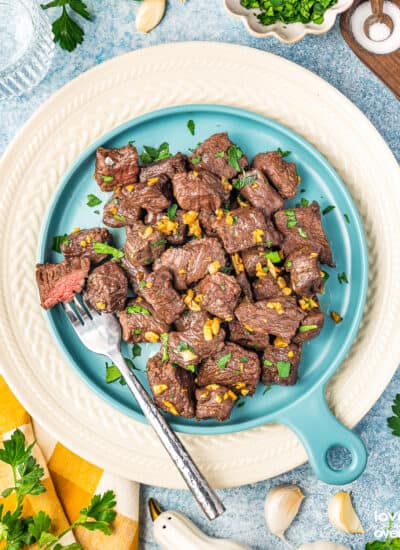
x=26, y=46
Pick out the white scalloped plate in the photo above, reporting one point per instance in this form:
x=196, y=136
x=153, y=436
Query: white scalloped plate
x=288, y=33
x=115, y=92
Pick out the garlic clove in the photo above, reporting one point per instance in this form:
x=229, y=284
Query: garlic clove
x=342, y=514
x=322, y=545
x=150, y=14
x=281, y=507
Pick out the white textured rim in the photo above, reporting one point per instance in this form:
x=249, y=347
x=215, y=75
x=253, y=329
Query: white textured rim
x=117, y=91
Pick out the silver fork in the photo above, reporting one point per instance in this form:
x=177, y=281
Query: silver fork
x=101, y=333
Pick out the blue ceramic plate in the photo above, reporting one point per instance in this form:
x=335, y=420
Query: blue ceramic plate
x=253, y=133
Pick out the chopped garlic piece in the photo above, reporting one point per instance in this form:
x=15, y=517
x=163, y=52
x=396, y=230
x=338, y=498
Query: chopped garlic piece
x=151, y=337
x=277, y=306
x=214, y=267
x=171, y=407
x=152, y=181
x=100, y=305
x=158, y=389
x=258, y=235
x=280, y=343
x=237, y=263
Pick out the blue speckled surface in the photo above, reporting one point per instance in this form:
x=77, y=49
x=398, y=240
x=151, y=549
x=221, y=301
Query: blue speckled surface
x=113, y=33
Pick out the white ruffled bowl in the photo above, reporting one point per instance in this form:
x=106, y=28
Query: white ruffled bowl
x=289, y=33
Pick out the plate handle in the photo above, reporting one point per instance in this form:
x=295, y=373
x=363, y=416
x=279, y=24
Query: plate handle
x=319, y=431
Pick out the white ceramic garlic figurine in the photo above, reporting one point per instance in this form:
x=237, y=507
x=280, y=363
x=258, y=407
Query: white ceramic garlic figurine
x=322, y=545
x=174, y=531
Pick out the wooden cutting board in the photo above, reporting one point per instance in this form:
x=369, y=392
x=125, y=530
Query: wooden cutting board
x=385, y=66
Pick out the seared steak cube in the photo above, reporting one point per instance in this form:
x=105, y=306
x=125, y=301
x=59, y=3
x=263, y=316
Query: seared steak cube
x=193, y=261
x=220, y=294
x=214, y=155
x=192, y=320
x=135, y=273
x=119, y=210
x=80, y=244
x=172, y=387
x=207, y=221
x=116, y=167
x=310, y=326
x=165, y=167
x=241, y=335
x=266, y=287
x=107, y=288
x=140, y=324
x=143, y=244
x=214, y=401
x=260, y=194
x=232, y=366
x=242, y=228
x=172, y=226
x=196, y=190
x=303, y=227
x=253, y=256
x=245, y=285
x=153, y=195
x=156, y=288
x=281, y=174
x=279, y=316
x=59, y=282
x=280, y=365
x=305, y=272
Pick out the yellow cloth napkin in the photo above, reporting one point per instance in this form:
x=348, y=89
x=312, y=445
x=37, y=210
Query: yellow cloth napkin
x=70, y=482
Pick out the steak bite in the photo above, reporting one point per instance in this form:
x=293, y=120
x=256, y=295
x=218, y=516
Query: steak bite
x=242, y=228
x=214, y=154
x=207, y=221
x=266, y=287
x=279, y=316
x=303, y=227
x=165, y=167
x=59, y=282
x=281, y=174
x=232, y=366
x=156, y=288
x=135, y=273
x=191, y=262
x=197, y=190
x=172, y=387
x=310, y=326
x=80, y=243
x=239, y=334
x=305, y=272
x=280, y=365
x=107, y=288
x=116, y=167
x=214, y=401
x=260, y=194
x=172, y=225
x=153, y=195
x=143, y=244
x=119, y=210
x=251, y=257
x=220, y=294
x=139, y=322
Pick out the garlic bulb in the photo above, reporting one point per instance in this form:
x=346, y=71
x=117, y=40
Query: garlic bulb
x=150, y=14
x=322, y=545
x=281, y=506
x=342, y=514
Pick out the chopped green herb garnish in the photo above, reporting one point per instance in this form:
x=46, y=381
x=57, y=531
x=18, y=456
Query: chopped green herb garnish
x=244, y=360
x=92, y=200
x=222, y=287
x=219, y=155
x=241, y=182
x=223, y=361
x=234, y=155
x=104, y=248
x=191, y=126
x=287, y=11
x=304, y=202
x=394, y=421
x=235, y=219
x=131, y=141
x=226, y=269
x=58, y=240
x=266, y=390
x=267, y=362
x=291, y=218
x=164, y=340
x=112, y=373
x=268, y=243
x=136, y=308
x=159, y=243
x=342, y=278
x=240, y=404
x=283, y=153
x=184, y=346
x=273, y=256
x=325, y=275
x=142, y=284
x=289, y=263
x=346, y=217
x=136, y=331
x=152, y=154
x=306, y=328
x=283, y=368
x=96, y=211
x=171, y=211
x=195, y=160
x=302, y=233
x=136, y=351
x=328, y=209
x=107, y=178
x=119, y=217
x=302, y=190
x=191, y=368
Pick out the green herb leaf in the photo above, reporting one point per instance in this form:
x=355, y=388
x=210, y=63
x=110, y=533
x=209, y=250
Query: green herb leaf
x=161, y=242
x=136, y=308
x=191, y=368
x=306, y=328
x=100, y=509
x=266, y=390
x=342, y=278
x=65, y=30
x=191, y=126
x=40, y=524
x=291, y=218
x=223, y=361
x=136, y=351
x=219, y=154
x=164, y=339
x=92, y=200
x=152, y=154
x=283, y=368
x=273, y=256
x=304, y=202
x=222, y=287
x=119, y=217
x=240, y=404
x=112, y=373
x=241, y=182
x=58, y=240
x=283, y=153
x=289, y=263
x=142, y=284
x=234, y=155
x=184, y=346
x=171, y=211
x=394, y=421
x=325, y=275
x=104, y=248
x=267, y=362
x=346, y=217
x=107, y=179
x=302, y=233
x=328, y=209
x=243, y=359
x=196, y=160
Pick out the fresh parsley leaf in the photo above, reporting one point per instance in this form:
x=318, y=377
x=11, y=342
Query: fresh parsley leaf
x=306, y=328
x=266, y=390
x=164, y=339
x=119, y=217
x=101, y=510
x=142, y=284
x=342, y=278
x=241, y=182
x=171, y=211
x=107, y=179
x=104, y=248
x=283, y=368
x=136, y=351
x=273, y=256
x=302, y=233
x=267, y=362
x=304, y=202
x=234, y=155
x=392, y=544
x=325, y=275
x=240, y=404
x=224, y=360
x=289, y=263
x=152, y=154
x=394, y=421
x=161, y=242
x=191, y=126
x=66, y=31
x=283, y=153
x=58, y=240
x=40, y=524
x=191, y=368
x=328, y=209
x=219, y=154
x=184, y=346
x=291, y=218
x=136, y=308
x=195, y=160
x=243, y=359
x=96, y=211
x=112, y=373
x=92, y=200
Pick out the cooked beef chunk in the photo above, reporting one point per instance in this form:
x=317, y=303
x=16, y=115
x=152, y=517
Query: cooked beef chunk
x=245, y=285
x=59, y=282
x=253, y=256
x=116, y=167
x=153, y=195
x=140, y=324
x=192, y=320
x=191, y=262
x=303, y=227
x=232, y=366
x=220, y=294
x=305, y=271
x=165, y=167
x=172, y=387
x=310, y=326
x=266, y=287
x=279, y=365
x=143, y=244
x=80, y=244
x=196, y=190
x=214, y=401
x=259, y=192
x=135, y=273
x=207, y=221
x=242, y=228
x=281, y=174
x=121, y=210
x=175, y=230
x=240, y=335
x=107, y=288
x=208, y=156
x=156, y=288
x=279, y=316
x=274, y=237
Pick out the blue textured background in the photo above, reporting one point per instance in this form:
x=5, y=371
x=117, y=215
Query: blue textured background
x=113, y=33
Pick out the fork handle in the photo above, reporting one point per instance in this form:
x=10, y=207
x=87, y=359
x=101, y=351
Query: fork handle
x=200, y=488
